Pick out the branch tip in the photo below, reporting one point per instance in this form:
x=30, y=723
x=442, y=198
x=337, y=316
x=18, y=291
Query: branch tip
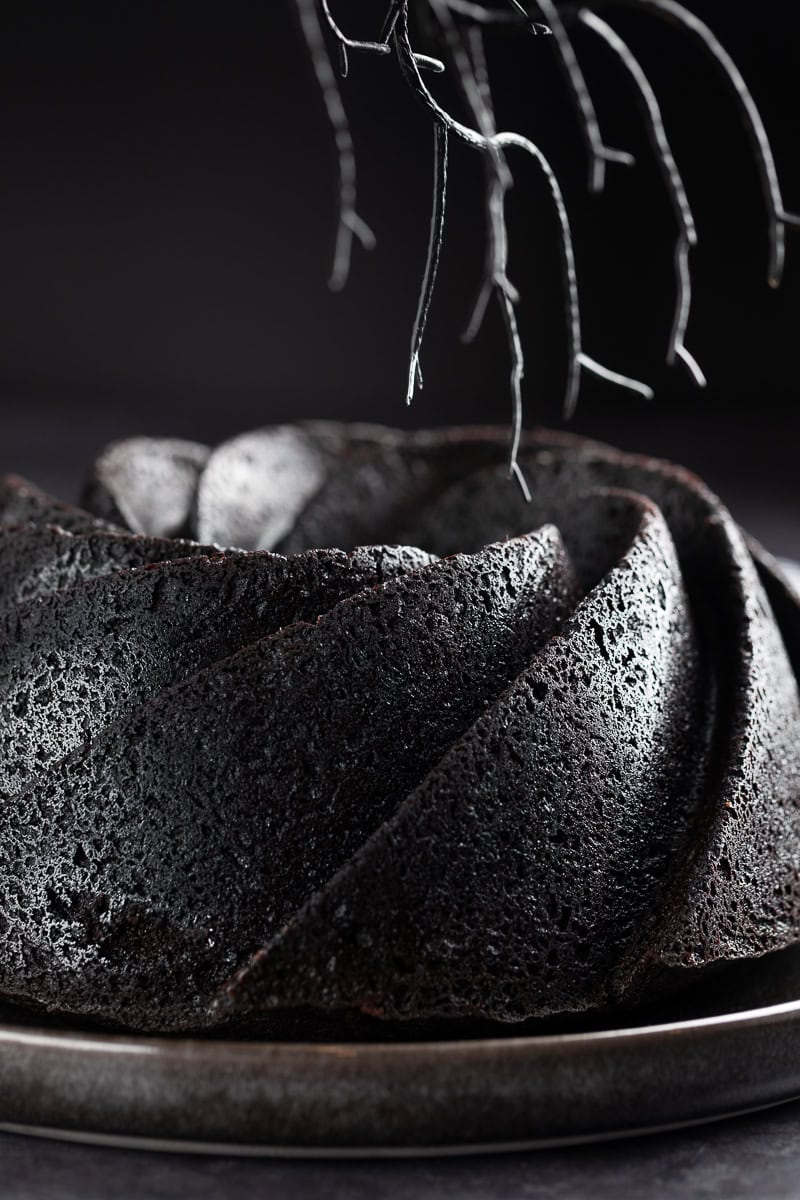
x=624, y=381
x=435, y=238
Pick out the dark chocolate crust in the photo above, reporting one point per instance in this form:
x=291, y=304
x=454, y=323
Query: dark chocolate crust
x=504, y=760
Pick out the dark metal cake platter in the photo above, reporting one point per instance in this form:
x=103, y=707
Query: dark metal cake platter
x=307, y=1086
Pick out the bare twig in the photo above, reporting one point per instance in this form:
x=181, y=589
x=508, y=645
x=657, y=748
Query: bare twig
x=534, y=27
x=473, y=78
x=599, y=153
x=350, y=224
x=432, y=258
x=623, y=381
x=687, y=230
x=481, y=15
x=423, y=61
x=476, y=92
x=346, y=43
x=501, y=141
x=496, y=259
x=517, y=374
x=426, y=62
x=480, y=68
x=778, y=216
x=461, y=25
x=471, y=71
x=681, y=320
x=390, y=20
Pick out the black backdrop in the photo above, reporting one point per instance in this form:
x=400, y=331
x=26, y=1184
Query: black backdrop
x=167, y=215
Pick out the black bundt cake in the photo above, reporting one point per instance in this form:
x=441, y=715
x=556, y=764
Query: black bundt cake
x=502, y=760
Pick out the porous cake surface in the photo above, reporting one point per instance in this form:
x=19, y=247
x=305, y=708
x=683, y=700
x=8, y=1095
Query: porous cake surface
x=329, y=716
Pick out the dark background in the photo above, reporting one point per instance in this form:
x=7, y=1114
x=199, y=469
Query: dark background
x=167, y=215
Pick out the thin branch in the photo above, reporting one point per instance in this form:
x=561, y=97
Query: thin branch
x=473, y=78
x=432, y=259
x=472, y=73
x=623, y=381
x=496, y=259
x=687, y=230
x=391, y=18
x=475, y=93
x=534, y=27
x=599, y=153
x=346, y=43
x=464, y=41
x=480, y=15
x=426, y=62
x=496, y=264
x=480, y=69
x=497, y=141
x=500, y=141
x=423, y=61
x=681, y=320
x=778, y=217
x=517, y=374
x=350, y=224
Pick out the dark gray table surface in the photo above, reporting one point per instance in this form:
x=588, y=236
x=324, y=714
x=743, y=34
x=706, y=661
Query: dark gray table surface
x=754, y=1157
x=750, y=1158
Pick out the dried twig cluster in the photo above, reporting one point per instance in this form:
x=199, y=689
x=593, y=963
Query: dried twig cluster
x=459, y=27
